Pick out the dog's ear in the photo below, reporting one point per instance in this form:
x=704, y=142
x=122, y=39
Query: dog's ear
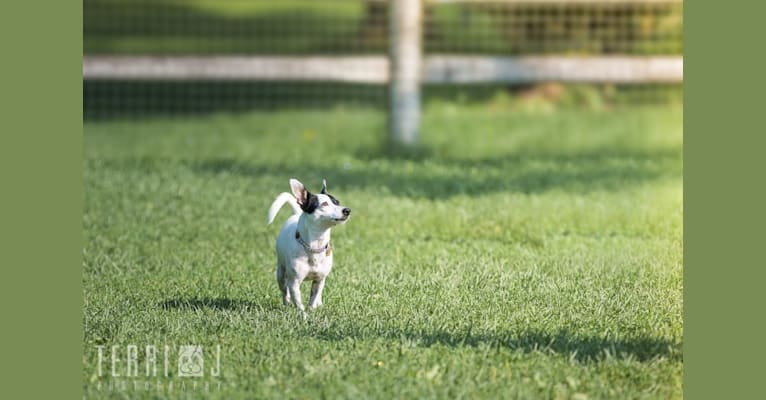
x=299, y=191
x=324, y=186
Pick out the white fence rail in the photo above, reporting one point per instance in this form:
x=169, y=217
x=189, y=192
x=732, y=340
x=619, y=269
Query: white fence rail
x=375, y=69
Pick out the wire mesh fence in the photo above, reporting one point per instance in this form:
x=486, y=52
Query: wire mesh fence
x=554, y=27
x=164, y=29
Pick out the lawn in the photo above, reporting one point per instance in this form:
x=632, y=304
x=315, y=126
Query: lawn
x=523, y=253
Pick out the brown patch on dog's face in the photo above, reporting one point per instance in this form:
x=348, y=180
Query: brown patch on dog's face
x=329, y=251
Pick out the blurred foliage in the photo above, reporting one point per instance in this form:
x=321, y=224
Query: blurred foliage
x=526, y=28
x=351, y=27
x=225, y=26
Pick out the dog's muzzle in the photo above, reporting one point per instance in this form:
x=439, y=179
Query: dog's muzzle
x=346, y=213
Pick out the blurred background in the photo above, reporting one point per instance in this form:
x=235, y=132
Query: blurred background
x=515, y=96
x=147, y=58
x=538, y=195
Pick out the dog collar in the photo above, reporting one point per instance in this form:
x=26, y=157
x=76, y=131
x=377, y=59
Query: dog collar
x=308, y=248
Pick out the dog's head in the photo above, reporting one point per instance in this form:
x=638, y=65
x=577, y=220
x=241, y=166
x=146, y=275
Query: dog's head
x=323, y=207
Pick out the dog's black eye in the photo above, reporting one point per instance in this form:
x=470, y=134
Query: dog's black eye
x=325, y=204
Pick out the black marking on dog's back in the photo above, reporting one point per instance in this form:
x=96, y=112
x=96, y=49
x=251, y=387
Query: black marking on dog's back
x=311, y=203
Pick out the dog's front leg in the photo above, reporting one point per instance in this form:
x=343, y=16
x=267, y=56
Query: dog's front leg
x=295, y=293
x=316, y=293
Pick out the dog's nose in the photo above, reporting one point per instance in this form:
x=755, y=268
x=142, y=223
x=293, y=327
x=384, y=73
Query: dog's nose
x=346, y=211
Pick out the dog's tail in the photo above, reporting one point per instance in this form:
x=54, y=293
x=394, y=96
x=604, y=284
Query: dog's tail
x=283, y=198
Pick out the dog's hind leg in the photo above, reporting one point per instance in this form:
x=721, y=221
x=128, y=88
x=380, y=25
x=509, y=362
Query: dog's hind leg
x=282, y=285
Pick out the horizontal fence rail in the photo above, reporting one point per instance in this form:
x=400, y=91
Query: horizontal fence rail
x=375, y=69
x=266, y=68
x=615, y=69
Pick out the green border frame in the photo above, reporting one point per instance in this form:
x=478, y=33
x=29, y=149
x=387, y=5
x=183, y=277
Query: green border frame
x=41, y=213
x=723, y=142
x=42, y=196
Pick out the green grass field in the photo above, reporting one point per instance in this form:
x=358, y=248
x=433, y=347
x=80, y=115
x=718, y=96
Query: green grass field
x=524, y=253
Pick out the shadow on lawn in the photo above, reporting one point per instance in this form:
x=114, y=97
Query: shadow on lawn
x=436, y=178
x=219, y=303
x=562, y=342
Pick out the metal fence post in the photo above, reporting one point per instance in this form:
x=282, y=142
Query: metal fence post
x=405, y=62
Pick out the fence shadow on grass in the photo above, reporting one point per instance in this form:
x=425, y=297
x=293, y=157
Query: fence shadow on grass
x=218, y=303
x=562, y=342
x=446, y=178
x=138, y=100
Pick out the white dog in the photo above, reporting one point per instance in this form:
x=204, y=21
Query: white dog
x=303, y=245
